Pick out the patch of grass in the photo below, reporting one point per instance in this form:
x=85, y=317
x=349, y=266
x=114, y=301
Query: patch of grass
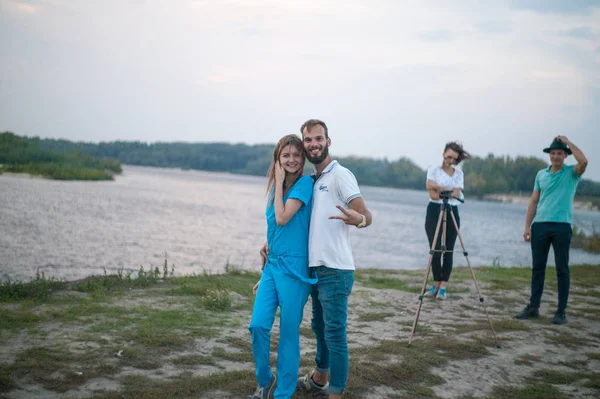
x=140, y=358
x=236, y=383
x=530, y=391
x=154, y=337
x=193, y=360
x=567, y=340
x=386, y=282
x=241, y=282
x=216, y=300
x=7, y=381
x=506, y=325
x=19, y=319
x=588, y=293
x=52, y=368
x=550, y=376
x=527, y=360
x=375, y=316
x=593, y=355
x=241, y=356
x=241, y=344
x=585, y=275
x=37, y=289
x=575, y=364
x=593, y=381
x=412, y=369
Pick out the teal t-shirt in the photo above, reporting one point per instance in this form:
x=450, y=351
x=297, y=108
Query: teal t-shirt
x=557, y=191
x=288, y=245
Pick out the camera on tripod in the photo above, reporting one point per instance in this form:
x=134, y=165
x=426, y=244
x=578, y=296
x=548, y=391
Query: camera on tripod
x=446, y=194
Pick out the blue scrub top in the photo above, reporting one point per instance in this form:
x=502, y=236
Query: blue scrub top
x=288, y=245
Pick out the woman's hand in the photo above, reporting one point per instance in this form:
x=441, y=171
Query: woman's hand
x=255, y=288
x=279, y=174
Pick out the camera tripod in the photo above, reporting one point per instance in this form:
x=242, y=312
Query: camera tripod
x=442, y=223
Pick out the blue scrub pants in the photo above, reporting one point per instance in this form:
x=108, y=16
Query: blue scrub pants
x=290, y=294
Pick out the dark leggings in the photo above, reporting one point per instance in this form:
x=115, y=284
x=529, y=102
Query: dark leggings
x=441, y=273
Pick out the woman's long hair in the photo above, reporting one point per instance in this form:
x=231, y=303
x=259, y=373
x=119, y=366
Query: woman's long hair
x=457, y=147
x=290, y=139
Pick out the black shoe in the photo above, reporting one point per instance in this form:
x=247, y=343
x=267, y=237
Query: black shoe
x=560, y=317
x=530, y=312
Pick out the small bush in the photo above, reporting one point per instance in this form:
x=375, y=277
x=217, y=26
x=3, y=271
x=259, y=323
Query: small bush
x=37, y=289
x=589, y=243
x=217, y=300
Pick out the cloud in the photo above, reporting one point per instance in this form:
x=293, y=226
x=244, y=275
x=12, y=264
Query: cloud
x=439, y=35
x=494, y=26
x=557, y=6
x=583, y=32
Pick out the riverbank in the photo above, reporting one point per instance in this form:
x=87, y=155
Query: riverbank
x=584, y=205
x=179, y=337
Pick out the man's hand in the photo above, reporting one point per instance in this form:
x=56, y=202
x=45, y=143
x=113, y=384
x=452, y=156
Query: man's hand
x=527, y=234
x=348, y=216
x=264, y=255
x=255, y=288
x=563, y=139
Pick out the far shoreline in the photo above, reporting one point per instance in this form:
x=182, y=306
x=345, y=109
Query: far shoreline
x=578, y=204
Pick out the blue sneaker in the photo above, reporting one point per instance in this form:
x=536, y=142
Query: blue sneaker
x=431, y=292
x=266, y=391
x=441, y=295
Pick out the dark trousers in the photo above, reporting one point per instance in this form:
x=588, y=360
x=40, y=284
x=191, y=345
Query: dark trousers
x=441, y=273
x=543, y=235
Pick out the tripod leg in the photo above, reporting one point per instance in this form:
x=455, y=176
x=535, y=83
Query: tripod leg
x=474, y=279
x=431, y=253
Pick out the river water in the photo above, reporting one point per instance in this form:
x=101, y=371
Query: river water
x=204, y=220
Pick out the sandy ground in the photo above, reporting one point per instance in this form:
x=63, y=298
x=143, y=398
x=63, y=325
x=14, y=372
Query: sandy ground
x=376, y=316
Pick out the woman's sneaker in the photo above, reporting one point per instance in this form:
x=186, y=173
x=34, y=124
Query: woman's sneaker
x=266, y=391
x=441, y=295
x=306, y=384
x=431, y=292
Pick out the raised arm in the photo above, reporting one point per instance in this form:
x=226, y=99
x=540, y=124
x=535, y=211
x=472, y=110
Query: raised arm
x=577, y=153
x=283, y=211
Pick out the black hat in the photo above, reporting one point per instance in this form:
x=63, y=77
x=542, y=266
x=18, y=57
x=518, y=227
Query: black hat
x=558, y=145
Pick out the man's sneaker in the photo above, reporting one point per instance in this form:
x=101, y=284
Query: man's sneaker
x=266, y=391
x=560, y=317
x=306, y=384
x=530, y=312
x=441, y=295
x=431, y=292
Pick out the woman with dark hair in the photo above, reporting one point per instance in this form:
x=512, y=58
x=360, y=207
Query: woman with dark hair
x=444, y=177
x=285, y=280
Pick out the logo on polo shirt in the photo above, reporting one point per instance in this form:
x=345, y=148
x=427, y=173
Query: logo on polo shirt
x=323, y=187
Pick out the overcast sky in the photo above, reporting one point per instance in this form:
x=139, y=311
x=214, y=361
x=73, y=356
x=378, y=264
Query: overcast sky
x=390, y=78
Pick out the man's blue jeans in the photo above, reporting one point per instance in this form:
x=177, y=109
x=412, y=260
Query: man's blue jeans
x=543, y=235
x=330, y=313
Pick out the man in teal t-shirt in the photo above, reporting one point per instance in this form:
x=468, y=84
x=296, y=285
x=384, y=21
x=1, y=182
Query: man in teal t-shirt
x=550, y=211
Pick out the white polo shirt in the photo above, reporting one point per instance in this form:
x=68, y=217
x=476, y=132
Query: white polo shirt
x=457, y=180
x=329, y=239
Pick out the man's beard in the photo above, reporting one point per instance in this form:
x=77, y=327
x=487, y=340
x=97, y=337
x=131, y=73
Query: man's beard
x=319, y=158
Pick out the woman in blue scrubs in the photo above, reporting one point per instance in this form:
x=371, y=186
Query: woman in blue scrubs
x=285, y=280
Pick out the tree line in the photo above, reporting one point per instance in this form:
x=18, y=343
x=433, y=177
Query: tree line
x=25, y=155
x=483, y=175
